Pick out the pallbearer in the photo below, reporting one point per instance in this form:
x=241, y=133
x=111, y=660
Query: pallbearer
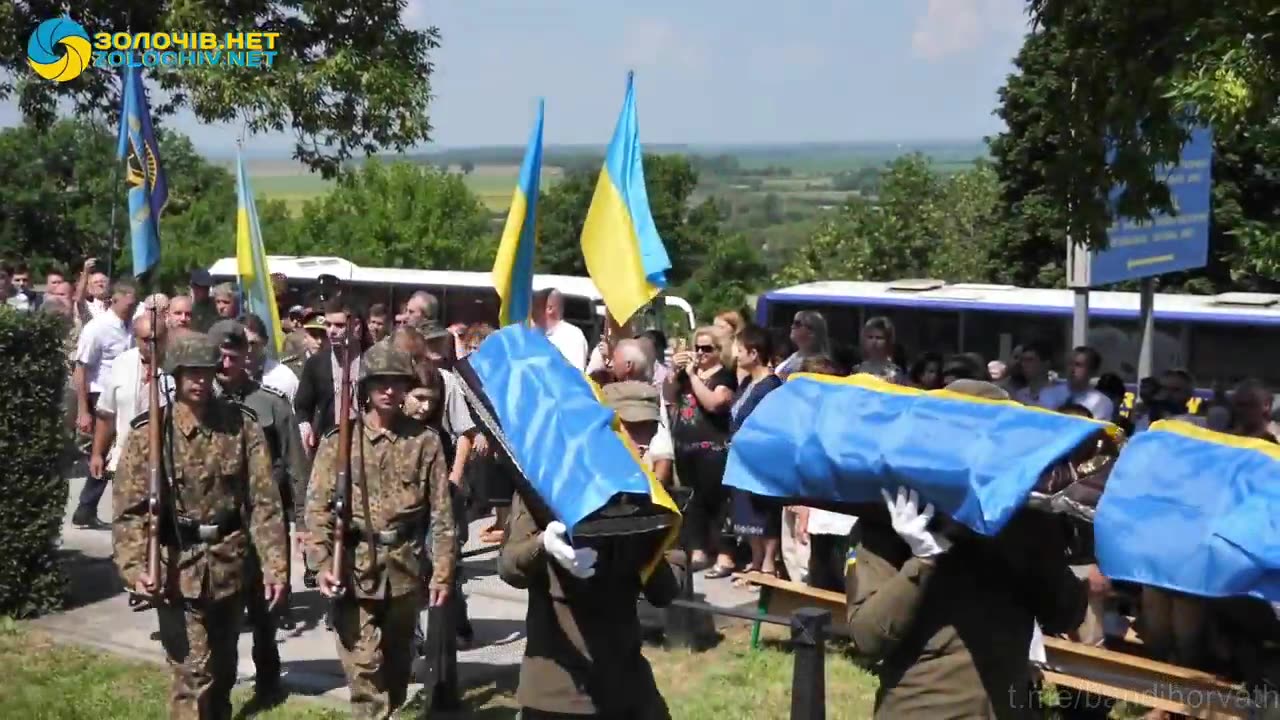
x=217, y=495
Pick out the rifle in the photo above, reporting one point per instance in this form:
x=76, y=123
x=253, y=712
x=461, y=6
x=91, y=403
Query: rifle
x=153, y=461
x=342, y=496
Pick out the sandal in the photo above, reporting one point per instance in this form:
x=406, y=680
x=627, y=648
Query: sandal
x=718, y=571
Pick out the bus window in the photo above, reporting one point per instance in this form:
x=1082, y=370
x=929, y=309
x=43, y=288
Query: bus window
x=917, y=330
x=982, y=331
x=1231, y=353
x=1120, y=341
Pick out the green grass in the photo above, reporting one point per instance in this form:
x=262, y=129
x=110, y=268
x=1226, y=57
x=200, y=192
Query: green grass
x=41, y=680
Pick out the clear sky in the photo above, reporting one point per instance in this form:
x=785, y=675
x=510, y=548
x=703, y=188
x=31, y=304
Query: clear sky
x=708, y=71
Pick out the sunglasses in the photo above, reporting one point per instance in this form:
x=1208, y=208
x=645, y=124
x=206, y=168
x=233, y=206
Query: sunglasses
x=708, y=349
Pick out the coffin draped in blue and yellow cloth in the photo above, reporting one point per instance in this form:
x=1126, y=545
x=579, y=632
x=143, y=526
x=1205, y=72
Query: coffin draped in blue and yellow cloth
x=839, y=441
x=565, y=445
x=1193, y=510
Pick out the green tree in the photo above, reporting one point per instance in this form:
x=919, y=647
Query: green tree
x=342, y=82
x=61, y=187
x=398, y=215
x=1124, y=81
x=1038, y=158
x=922, y=224
x=731, y=270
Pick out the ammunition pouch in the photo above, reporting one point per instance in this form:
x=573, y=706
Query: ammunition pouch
x=394, y=535
x=190, y=531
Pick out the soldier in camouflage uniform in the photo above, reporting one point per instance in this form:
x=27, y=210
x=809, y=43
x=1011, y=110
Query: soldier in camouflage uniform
x=288, y=469
x=399, y=484
x=217, y=481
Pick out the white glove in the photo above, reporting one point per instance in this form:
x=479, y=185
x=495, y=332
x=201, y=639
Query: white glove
x=911, y=524
x=580, y=563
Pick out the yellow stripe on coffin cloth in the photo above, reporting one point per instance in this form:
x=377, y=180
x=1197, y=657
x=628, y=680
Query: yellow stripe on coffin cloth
x=834, y=442
x=569, y=459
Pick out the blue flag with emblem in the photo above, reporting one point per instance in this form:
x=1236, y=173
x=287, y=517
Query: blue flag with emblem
x=148, y=189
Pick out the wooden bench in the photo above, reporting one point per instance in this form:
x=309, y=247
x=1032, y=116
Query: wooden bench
x=783, y=597
x=1112, y=674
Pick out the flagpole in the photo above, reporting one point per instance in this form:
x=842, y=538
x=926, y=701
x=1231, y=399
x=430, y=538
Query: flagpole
x=115, y=184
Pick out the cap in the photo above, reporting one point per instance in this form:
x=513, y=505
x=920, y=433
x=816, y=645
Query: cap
x=327, y=278
x=978, y=388
x=384, y=360
x=296, y=310
x=228, y=334
x=314, y=322
x=201, y=278
x=633, y=400
x=191, y=350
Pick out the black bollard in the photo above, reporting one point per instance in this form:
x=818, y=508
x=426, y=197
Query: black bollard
x=808, y=681
x=684, y=627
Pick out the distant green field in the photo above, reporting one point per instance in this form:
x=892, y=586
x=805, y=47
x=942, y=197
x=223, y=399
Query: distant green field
x=290, y=182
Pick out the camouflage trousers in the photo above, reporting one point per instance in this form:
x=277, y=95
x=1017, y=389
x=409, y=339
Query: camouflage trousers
x=199, y=640
x=375, y=645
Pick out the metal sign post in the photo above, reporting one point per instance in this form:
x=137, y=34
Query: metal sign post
x=1143, y=250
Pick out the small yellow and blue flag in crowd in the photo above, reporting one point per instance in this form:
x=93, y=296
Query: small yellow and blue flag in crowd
x=148, y=187
x=623, y=252
x=256, y=292
x=513, y=265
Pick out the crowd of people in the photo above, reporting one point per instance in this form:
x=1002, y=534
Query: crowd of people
x=680, y=403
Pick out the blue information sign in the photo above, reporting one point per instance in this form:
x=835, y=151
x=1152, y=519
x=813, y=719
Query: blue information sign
x=1168, y=243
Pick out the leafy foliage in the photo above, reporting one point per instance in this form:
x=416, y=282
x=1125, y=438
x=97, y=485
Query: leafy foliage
x=1179, y=63
x=61, y=188
x=1051, y=160
x=396, y=215
x=33, y=436
x=923, y=224
x=345, y=80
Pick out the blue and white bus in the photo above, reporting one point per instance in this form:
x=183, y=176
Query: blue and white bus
x=1218, y=338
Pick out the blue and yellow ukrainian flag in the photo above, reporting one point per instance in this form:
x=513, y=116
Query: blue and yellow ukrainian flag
x=840, y=440
x=256, y=292
x=513, y=265
x=624, y=254
x=1193, y=510
x=148, y=187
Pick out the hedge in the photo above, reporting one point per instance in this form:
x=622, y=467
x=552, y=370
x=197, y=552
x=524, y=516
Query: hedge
x=33, y=441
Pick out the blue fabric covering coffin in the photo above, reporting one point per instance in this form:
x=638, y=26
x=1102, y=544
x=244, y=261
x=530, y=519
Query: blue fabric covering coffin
x=840, y=440
x=560, y=437
x=1193, y=510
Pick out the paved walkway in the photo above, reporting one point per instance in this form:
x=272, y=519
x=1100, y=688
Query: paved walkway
x=99, y=616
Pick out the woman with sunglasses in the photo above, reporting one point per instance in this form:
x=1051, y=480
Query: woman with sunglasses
x=809, y=333
x=701, y=390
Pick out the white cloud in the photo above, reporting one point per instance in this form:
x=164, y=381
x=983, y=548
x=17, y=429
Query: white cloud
x=950, y=27
x=648, y=42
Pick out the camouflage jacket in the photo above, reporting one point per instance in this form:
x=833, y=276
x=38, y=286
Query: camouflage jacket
x=288, y=462
x=406, y=477
x=219, y=466
x=295, y=351
x=203, y=315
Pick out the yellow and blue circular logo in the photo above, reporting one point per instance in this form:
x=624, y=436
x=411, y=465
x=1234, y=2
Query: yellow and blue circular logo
x=59, y=64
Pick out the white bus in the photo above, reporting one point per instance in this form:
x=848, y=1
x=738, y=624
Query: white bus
x=465, y=297
x=1218, y=338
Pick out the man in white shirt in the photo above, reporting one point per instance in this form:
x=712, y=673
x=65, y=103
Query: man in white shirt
x=103, y=339
x=262, y=368
x=125, y=395
x=548, y=314
x=1085, y=362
